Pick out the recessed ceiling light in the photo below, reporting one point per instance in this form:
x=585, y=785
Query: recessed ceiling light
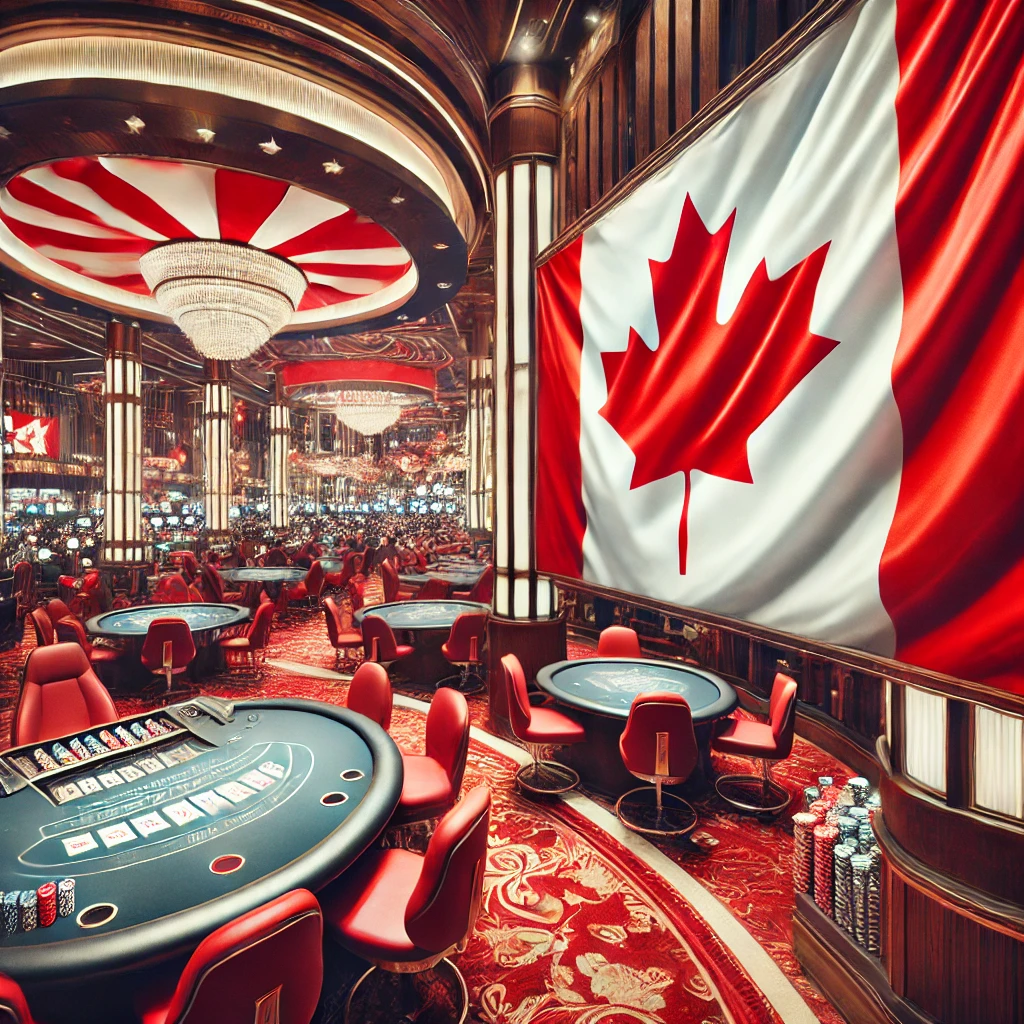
x=206, y=134
x=402, y=316
x=37, y=296
x=444, y=284
x=271, y=148
x=135, y=124
x=5, y=133
x=440, y=246
x=397, y=199
x=333, y=167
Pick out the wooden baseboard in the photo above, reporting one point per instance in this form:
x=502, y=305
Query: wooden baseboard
x=854, y=981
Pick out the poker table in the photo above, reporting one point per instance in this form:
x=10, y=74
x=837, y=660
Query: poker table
x=225, y=809
x=425, y=625
x=599, y=693
x=263, y=574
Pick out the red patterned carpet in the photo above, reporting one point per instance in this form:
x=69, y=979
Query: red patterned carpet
x=575, y=928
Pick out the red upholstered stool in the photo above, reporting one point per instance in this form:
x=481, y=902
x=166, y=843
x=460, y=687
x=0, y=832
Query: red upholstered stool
x=171, y=589
x=405, y=912
x=43, y=627
x=13, y=1005
x=766, y=741
x=539, y=727
x=481, y=591
x=379, y=642
x=265, y=966
x=70, y=630
x=249, y=651
x=618, y=642
x=370, y=694
x=168, y=649
x=60, y=694
x=464, y=649
x=433, y=780
x=658, y=745
x=344, y=639
x=310, y=586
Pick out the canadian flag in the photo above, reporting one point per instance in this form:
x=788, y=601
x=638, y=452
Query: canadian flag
x=783, y=379
x=32, y=435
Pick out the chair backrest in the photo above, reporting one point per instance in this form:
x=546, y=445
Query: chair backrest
x=13, y=1006
x=433, y=590
x=57, y=610
x=60, y=694
x=314, y=579
x=92, y=580
x=519, y=713
x=467, y=627
x=168, y=630
x=213, y=583
x=370, y=694
x=782, y=713
x=259, y=631
x=448, y=734
x=390, y=580
x=658, y=741
x=483, y=589
x=375, y=628
x=171, y=589
x=23, y=578
x=332, y=616
x=43, y=627
x=441, y=913
x=618, y=642
x=266, y=965
x=70, y=630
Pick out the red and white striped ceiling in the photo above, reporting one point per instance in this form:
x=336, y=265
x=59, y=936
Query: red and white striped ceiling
x=83, y=223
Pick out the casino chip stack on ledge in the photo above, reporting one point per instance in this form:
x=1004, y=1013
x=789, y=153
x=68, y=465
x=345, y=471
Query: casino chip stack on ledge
x=27, y=909
x=836, y=859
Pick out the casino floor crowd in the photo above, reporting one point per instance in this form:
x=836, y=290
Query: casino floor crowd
x=539, y=903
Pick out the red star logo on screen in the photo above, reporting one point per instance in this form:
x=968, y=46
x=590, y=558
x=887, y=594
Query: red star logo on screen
x=694, y=401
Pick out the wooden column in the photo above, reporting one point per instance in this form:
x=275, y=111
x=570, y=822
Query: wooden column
x=217, y=446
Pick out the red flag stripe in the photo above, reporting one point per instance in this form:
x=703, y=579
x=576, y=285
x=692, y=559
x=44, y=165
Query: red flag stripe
x=32, y=194
x=38, y=237
x=346, y=231
x=245, y=201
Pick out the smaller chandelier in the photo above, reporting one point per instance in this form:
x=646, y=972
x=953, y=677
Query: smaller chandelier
x=229, y=299
x=371, y=412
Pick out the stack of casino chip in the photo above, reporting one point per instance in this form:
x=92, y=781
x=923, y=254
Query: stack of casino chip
x=825, y=839
x=139, y=731
x=860, y=788
x=11, y=916
x=63, y=755
x=28, y=907
x=125, y=736
x=79, y=749
x=861, y=864
x=811, y=793
x=46, y=896
x=803, y=850
x=94, y=745
x=66, y=897
x=112, y=742
x=865, y=837
x=843, y=855
x=44, y=760
x=873, y=919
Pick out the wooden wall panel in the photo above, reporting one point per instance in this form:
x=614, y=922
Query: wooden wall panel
x=662, y=53
x=609, y=127
x=682, y=25
x=708, y=49
x=642, y=115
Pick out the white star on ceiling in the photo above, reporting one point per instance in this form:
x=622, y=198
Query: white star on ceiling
x=333, y=167
x=135, y=124
x=271, y=148
x=206, y=134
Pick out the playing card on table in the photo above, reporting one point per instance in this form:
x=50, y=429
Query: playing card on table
x=235, y=791
x=149, y=765
x=211, y=802
x=182, y=812
x=89, y=785
x=111, y=779
x=114, y=835
x=149, y=823
x=69, y=791
x=257, y=779
x=272, y=768
x=130, y=773
x=75, y=845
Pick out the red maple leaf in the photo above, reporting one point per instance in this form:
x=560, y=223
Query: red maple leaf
x=695, y=400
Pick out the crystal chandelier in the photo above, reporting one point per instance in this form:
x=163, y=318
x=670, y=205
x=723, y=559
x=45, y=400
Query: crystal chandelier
x=229, y=299
x=370, y=412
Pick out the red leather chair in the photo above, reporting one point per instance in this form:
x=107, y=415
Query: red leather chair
x=187, y=562
x=60, y=694
x=464, y=648
x=265, y=966
x=481, y=591
x=379, y=642
x=344, y=639
x=539, y=727
x=213, y=585
x=658, y=745
x=432, y=590
x=433, y=780
x=618, y=642
x=168, y=649
x=766, y=742
x=13, y=1005
x=57, y=610
x=171, y=589
x=393, y=589
x=24, y=588
x=311, y=586
x=406, y=912
x=43, y=627
x=70, y=630
x=370, y=694
x=250, y=649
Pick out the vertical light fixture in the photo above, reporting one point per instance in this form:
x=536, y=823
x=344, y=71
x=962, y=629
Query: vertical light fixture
x=122, y=475
x=217, y=446
x=280, y=440
x=479, y=439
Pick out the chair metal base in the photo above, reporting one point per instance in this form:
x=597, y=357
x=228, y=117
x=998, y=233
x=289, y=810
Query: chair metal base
x=466, y=682
x=753, y=794
x=640, y=811
x=546, y=778
x=437, y=995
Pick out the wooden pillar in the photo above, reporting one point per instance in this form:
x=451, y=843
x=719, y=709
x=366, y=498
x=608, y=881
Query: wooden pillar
x=217, y=447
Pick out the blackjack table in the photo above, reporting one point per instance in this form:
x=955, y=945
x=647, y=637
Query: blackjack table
x=425, y=625
x=263, y=574
x=205, y=620
x=598, y=692
x=118, y=858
